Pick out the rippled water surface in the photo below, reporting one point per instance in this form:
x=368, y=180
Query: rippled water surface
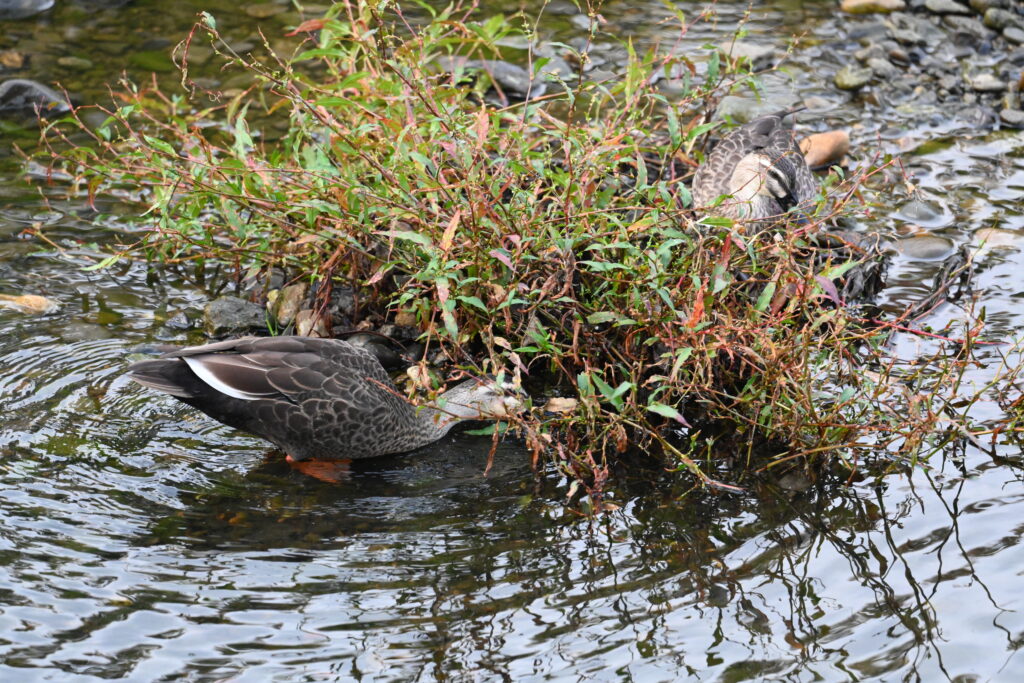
x=140, y=540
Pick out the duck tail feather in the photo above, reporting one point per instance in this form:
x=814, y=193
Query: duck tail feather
x=169, y=376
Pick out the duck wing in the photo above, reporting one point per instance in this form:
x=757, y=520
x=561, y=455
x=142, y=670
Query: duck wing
x=312, y=397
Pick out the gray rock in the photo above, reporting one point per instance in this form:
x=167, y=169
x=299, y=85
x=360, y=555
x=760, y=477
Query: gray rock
x=1012, y=117
x=882, y=68
x=759, y=56
x=851, y=77
x=946, y=7
x=22, y=9
x=183, y=321
x=967, y=25
x=871, y=51
x=999, y=19
x=511, y=79
x=285, y=303
x=22, y=96
x=1014, y=35
x=342, y=305
x=986, y=82
x=915, y=29
x=742, y=109
x=982, y=6
x=231, y=315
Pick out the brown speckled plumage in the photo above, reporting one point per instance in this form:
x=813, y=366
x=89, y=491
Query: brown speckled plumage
x=760, y=165
x=313, y=398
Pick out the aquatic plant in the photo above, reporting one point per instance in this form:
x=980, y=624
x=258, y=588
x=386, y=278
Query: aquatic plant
x=551, y=238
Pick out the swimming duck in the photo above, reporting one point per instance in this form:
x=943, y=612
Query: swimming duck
x=322, y=399
x=760, y=165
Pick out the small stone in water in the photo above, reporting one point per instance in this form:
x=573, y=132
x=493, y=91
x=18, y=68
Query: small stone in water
x=871, y=6
x=982, y=6
x=926, y=247
x=1014, y=34
x=882, y=68
x=1012, y=117
x=851, y=77
x=823, y=149
x=29, y=303
x=946, y=7
x=987, y=83
x=77, y=63
x=999, y=19
x=264, y=10
x=22, y=9
x=12, y=59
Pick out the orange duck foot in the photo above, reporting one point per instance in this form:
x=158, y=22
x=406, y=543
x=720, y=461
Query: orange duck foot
x=330, y=471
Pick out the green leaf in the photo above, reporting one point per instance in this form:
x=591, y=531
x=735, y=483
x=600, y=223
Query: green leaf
x=766, y=297
x=411, y=236
x=105, y=263
x=602, y=317
x=667, y=411
x=159, y=145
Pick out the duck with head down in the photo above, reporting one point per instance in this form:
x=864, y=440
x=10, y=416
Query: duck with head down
x=760, y=170
x=321, y=399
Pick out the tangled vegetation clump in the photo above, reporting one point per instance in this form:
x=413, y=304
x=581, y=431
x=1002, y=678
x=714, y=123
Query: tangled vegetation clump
x=552, y=239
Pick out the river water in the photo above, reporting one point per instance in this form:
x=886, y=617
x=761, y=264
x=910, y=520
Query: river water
x=140, y=540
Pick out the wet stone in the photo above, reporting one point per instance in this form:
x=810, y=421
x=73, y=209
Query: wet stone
x=75, y=63
x=285, y=303
x=967, y=25
x=872, y=51
x=871, y=6
x=264, y=10
x=22, y=9
x=759, y=56
x=987, y=83
x=22, y=96
x=926, y=247
x=882, y=68
x=999, y=19
x=1014, y=35
x=851, y=77
x=183, y=321
x=982, y=6
x=231, y=315
x=946, y=7
x=1012, y=117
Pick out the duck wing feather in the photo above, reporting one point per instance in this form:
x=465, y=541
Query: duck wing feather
x=312, y=397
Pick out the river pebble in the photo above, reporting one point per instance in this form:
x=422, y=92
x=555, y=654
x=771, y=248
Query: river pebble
x=986, y=82
x=1012, y=117
x=824, y=149
x=22, y=9
x=999, y=19
x=946, y=7
x=852, y=77
x=871, y=6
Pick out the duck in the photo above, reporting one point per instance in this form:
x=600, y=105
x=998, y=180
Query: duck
x=761, y=169
x=315, y=399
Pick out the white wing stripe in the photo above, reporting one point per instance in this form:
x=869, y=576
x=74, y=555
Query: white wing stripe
x=204, y=373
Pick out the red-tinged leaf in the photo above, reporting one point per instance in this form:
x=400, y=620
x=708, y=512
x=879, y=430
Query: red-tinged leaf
x=483, y=124
x=830, y=289
x=502, y=256
x=307, y=26
x=449, y=233
x=698, y=310
x=378, y=276
x=442, y=289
